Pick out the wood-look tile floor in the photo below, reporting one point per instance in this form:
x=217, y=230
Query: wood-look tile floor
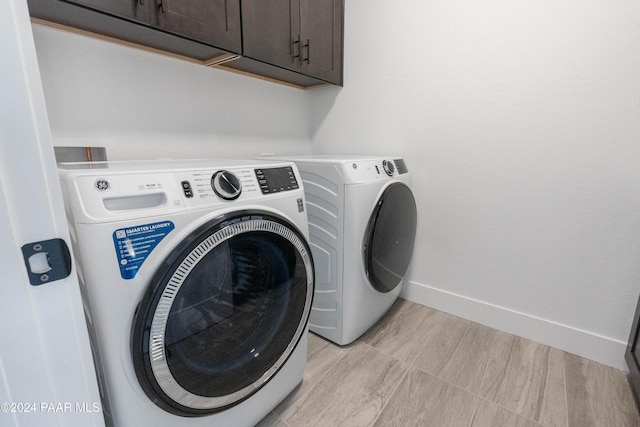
x=422, y=367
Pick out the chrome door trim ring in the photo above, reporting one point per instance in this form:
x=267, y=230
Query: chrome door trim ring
x=157, y=355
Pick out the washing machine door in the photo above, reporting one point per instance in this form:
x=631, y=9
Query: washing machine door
x=223, y=313
x=390, y=235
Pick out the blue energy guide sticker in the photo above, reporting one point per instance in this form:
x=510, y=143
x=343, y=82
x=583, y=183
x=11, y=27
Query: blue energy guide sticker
x=134, y=244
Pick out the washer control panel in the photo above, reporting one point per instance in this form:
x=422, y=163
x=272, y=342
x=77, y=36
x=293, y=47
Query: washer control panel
x=126, y=190
x=275, y=180
x=206, y=186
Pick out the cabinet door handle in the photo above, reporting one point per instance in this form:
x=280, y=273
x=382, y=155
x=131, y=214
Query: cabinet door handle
x=308, y=52
x=141, y=2
x=226, y=16
x=162, y=6
x=293, y=47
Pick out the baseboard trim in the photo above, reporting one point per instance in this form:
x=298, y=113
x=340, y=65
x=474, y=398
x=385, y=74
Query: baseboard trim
x=587, y=344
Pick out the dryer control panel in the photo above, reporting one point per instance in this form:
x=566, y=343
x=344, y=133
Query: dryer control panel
x=359, y=171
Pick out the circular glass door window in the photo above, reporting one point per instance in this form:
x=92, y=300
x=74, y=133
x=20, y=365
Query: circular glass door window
x=390, y=236
x=223, y=313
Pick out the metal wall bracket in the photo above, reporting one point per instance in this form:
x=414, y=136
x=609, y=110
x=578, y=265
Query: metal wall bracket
x=47, y=261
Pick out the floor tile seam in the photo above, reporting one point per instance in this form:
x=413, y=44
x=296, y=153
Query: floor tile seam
x=479, y=399
x=484, y=377
x=450, y=358
x=449, y=382
x=480, y=393
x=566, y=392
x=538, y=423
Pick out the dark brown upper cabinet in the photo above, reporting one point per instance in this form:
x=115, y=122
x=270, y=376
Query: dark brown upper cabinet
x=304, y=36
x=296, y=42
x=216, y=22
x=133, y=9
x=199, y=29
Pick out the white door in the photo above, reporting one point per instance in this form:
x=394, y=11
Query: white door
x=47, y=376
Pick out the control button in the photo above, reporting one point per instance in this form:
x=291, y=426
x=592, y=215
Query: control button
x=388, y=167
x=226, y=185
x=186, y=188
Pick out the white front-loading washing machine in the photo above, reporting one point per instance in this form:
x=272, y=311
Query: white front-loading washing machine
x=197, y=280
x=362, y=225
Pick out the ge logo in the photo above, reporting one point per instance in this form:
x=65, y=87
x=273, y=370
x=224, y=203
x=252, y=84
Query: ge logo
x=103, y=185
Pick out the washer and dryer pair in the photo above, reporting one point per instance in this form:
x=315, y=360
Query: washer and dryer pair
x=362, y=224
x=197, y=280
x=198, y=276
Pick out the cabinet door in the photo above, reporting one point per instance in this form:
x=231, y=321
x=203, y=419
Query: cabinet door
x=321, y=33
x=133, y=9
x=271, y=31
x=214, y=22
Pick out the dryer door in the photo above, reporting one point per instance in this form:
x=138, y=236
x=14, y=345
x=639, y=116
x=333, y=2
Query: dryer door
x=223, y=313
x=390, y=235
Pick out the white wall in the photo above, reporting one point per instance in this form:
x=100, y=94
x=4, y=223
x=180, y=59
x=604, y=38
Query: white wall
x=520, y=121
x=142, y=105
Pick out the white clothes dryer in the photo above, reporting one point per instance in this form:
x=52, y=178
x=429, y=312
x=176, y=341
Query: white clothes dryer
x=197, y=280
x=362, y=223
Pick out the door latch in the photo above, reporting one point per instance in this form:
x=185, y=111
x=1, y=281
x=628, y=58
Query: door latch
x=47, y=261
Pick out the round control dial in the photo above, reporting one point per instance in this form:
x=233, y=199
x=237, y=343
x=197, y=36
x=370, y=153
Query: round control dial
x=226, y=185
x=388, y=167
